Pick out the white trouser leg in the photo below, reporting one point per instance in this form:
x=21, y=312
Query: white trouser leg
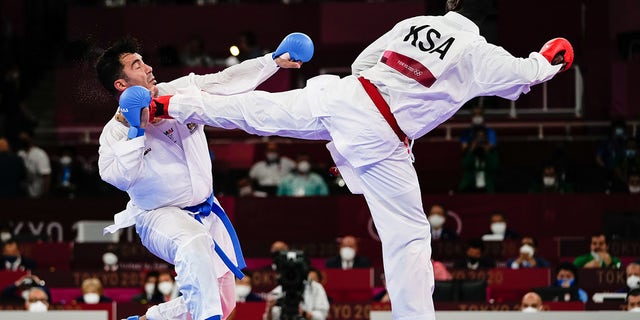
x=285, y=114
x=393, y=194
x=176, y=237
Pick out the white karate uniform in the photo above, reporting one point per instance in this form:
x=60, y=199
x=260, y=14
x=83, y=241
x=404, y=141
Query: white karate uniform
x=168, y=169
x=425, y=68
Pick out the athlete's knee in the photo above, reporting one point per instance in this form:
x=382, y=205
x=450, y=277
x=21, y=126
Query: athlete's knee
x=195, y=247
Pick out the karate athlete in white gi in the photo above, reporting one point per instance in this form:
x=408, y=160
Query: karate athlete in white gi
x=165, y=167
x=404, y=84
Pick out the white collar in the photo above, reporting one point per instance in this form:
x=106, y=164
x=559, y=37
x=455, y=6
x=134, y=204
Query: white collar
x=461, y=20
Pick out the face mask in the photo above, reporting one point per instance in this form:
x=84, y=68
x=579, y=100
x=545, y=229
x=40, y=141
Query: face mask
x=347, y=253
x=619, y=131
x=633, y=282
x=91, y=298
x=530, y=309
x=25, y=295
x=565, y=283
x=548, y=181
x=165, y=287
x=473, y=260
x=304, y=166
x=498, y=227
x=149, y=288
x=37, y=306
x=636, y=309
x=436, y=221
x=65, y=160
x=242, y=291
x=477, y=120
x=631, y=153
x=11, y=259
x=245, y=191
x=527, y=249
x=634, y=189
x=272, y=156
x=4, y=236
x=109, y=259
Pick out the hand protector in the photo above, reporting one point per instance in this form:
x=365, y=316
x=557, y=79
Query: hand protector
x=298, y=45
x=132, y=101
x=558, y=46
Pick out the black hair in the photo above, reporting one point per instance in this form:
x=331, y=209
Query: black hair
x=568, y=266
x=152, y=273
x=109, y=68
x=317, y=271
x=444, y=209
x=476, y=243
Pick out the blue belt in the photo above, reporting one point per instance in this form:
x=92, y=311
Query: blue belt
x=204, y=209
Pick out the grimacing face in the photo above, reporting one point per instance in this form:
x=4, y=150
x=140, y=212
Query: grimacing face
x=136, y=73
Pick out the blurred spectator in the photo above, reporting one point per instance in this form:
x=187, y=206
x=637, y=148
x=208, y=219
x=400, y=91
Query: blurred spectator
x=278, y=246
x=437, y=217
x=150, y=294
x=348, y=257
x=66, y=169
x=13, y=260
x=474, y=258
x=18, y=291
x=610, y=154
x=194, y=54
x=633, y=300
x=12, y=171
x=599, y=256
x=477, y=123
x=528, y=255
x=167, y=286
x=245, y=189
x=92, y=292
x=249, y=47
x=302, y=182
x=498, y=228
x=629, y=162
x=531, y=302
x=37, y=300
x=550, y=182
x=634, y=183
x=567, y=277
x=479, y=165
x=269, y=172
x=36, y=162
x=633, y=276
x=244, y=289
x=314, y=305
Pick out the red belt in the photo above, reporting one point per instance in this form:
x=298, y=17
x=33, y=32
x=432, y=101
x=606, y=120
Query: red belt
x=383, y=107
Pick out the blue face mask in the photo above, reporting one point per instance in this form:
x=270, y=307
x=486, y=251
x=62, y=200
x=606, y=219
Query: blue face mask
x=631, y=153
x=559, y=282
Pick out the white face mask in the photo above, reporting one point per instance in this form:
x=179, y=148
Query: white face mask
x=165, y=287
x=347, y=253
x=477, y=120
x=633, y=282
x=636, y=309
x=25, y=295
x=272, y=156
x=149, y=288
x=498, y=227
x=530, y=309
x=109, y=259
x=436, y=221
x=549, y=181
x=304, y=166
x=4, y=236
x=91, y=298
x=37, y=306
x=527, y=249
x=242, y=291
x=634, y=189
x=65, y=160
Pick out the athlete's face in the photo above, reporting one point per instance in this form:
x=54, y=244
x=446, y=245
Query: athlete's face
x=136, y=73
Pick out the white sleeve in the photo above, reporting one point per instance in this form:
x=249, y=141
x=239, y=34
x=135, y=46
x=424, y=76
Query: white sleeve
x=120, y=160
x=238, y=78
x=43, y=165
x=497, y=72
x=320, y=304
x=371, y=54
